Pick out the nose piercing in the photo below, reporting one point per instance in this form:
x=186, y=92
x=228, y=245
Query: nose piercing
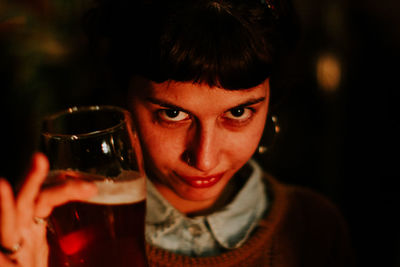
x=12, y=250
x=39, y=220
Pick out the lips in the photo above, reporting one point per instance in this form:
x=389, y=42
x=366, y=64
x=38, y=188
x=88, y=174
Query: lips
x=201, y=181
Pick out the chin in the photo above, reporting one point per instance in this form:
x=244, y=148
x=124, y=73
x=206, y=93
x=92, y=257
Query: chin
x=198, y=197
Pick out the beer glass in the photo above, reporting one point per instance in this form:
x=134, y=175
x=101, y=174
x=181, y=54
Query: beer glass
x=96, y=144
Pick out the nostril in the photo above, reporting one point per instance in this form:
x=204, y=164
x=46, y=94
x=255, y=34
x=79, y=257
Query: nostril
x=188, y=158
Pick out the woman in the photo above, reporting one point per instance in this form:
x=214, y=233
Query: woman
x=198, y=76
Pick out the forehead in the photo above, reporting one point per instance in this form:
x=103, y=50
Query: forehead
x=185, y=93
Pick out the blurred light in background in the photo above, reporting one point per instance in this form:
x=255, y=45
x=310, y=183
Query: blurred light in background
x=328, y=72
x=52, y=47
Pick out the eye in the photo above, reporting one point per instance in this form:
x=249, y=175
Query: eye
x=239, y=114
x=172, y=115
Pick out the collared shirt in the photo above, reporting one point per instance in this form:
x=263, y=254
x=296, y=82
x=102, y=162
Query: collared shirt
x=225, y=229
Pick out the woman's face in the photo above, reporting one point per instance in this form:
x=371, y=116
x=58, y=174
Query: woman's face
x=195, y=138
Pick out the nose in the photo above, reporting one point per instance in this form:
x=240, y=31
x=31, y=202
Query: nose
x=203, y=148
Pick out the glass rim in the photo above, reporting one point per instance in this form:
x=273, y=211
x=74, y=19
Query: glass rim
x=75, y=109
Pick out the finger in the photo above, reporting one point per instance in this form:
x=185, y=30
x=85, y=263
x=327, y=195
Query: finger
x=9, y=235
x=31, y=187
x=71, y=190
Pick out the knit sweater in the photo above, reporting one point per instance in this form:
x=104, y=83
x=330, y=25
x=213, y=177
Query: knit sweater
x=301, y=228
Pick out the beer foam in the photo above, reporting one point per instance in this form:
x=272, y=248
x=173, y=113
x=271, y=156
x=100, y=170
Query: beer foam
x=128, y=187
x=120, y=192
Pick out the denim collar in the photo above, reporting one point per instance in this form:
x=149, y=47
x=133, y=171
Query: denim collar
x=227, y=228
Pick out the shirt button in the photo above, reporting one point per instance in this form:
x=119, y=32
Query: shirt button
x=195, y=230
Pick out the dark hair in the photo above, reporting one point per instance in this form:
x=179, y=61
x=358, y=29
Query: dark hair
x=232, y=44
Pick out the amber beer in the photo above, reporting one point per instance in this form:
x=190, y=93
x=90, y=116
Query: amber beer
x=108, y=230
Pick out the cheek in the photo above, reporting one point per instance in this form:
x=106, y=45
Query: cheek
x=243, y=145
x=160, y=148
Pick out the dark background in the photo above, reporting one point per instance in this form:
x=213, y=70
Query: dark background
x=341, y=142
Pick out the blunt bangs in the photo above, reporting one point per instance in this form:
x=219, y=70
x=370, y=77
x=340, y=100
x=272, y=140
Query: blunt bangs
x=210, y=45
x=227, y=44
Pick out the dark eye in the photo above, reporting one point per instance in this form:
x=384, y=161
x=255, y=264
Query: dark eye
x=238, y=114
x=172, y=115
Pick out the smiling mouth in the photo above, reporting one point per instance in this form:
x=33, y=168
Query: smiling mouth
x=201, y=182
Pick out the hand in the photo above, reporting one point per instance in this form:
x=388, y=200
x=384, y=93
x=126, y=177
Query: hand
x=18, y=225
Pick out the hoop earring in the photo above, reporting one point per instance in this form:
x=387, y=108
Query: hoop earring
x=270, y=134
x=262, y=149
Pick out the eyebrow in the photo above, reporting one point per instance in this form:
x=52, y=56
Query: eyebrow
x=163, y=103
x=167, y=104
x=251, y=101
